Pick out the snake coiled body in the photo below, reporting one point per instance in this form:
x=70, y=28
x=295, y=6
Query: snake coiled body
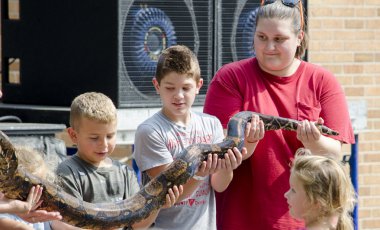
x=16, y=181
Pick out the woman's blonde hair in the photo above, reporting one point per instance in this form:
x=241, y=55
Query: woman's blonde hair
x=327, y=183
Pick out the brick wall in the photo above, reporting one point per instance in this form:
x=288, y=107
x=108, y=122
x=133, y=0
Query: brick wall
x=345, y=38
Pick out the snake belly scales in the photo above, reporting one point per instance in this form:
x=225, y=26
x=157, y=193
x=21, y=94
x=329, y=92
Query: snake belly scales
x=16, y=181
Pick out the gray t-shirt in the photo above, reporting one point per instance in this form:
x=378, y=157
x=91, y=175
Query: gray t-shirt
x=157, y=142
x=97, y=184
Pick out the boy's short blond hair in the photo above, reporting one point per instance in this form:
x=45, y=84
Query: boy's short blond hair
x=179, y=59
x=94, y=106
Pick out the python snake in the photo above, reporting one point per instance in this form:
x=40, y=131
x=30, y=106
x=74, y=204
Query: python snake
x=16, y=181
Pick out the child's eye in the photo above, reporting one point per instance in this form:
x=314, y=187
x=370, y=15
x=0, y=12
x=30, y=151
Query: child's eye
x=279, y=39
x=261, y=37
x=169, y=88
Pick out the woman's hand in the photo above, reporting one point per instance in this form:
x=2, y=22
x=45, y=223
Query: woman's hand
x=254, y=131
x=308, y=132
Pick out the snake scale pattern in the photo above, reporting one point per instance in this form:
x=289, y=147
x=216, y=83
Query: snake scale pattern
x=16, y=181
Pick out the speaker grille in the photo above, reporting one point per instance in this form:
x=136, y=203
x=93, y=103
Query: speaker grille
x=237, y=20
x=148, y=27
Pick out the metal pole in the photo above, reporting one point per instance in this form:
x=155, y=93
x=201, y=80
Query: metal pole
x=354, y=176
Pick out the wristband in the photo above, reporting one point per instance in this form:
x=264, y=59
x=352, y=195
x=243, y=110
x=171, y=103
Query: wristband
x=252, y=142
x=200, y=178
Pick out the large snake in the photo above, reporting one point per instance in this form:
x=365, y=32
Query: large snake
x=16, y=181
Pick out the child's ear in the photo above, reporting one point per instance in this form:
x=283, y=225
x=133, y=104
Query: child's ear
x=72, y=134
x=156, y=85
x=199, y=85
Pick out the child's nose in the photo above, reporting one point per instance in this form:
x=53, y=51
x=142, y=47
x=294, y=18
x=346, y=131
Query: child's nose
x=103, y=142
x=286, y=194
x=179, y=94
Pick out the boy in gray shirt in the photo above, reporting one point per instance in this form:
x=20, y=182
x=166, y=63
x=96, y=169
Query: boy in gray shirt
x=90, y=174
x=160, y=138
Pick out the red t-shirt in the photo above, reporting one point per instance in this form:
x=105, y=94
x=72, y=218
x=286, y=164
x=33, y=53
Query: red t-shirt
x=255, y=197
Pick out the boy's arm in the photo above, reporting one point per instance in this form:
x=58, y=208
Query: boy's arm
x=205, y=169
x=188, y=188
x=224, y=171
x=254, y=132
x=171, y=199
x=223, y=175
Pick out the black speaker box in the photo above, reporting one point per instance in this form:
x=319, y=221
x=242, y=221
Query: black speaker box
x=67, y=47
x=235, y=27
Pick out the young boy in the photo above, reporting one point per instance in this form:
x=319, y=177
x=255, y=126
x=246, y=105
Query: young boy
x=90, y=174
x=175, y=127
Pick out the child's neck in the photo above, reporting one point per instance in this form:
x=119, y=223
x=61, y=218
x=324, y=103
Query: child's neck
x=325, y=223
x=107, y=162
x=183, y=120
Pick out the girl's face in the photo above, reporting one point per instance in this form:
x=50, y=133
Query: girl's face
x=297, y=200
x=275, y=45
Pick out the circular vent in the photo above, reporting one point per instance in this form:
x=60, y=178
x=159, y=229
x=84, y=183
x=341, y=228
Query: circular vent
x=151, y=32
x=247, y=25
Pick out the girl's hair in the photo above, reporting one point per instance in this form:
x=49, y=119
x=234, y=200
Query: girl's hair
x=327, y=183
x=94, y=106
x=179, y=59
x=33, y=162
x=280, y=11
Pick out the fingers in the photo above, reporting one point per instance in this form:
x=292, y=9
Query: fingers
x=202, y=167
x=307, y=131
x=232, y=159
x=214, y=163
x=40, y=216
x=173, y=195
x=31, y=195
x=239, y=156
x=254, y=130
x=209, y=166
x=34, y=197
x=37, y=196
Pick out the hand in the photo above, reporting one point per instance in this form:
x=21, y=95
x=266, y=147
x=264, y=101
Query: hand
x=32, y=201
x=232, y=160
x=37, y=216
x=308, y=132
x=254, y=131
x=173, y=195
x=208, y=167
